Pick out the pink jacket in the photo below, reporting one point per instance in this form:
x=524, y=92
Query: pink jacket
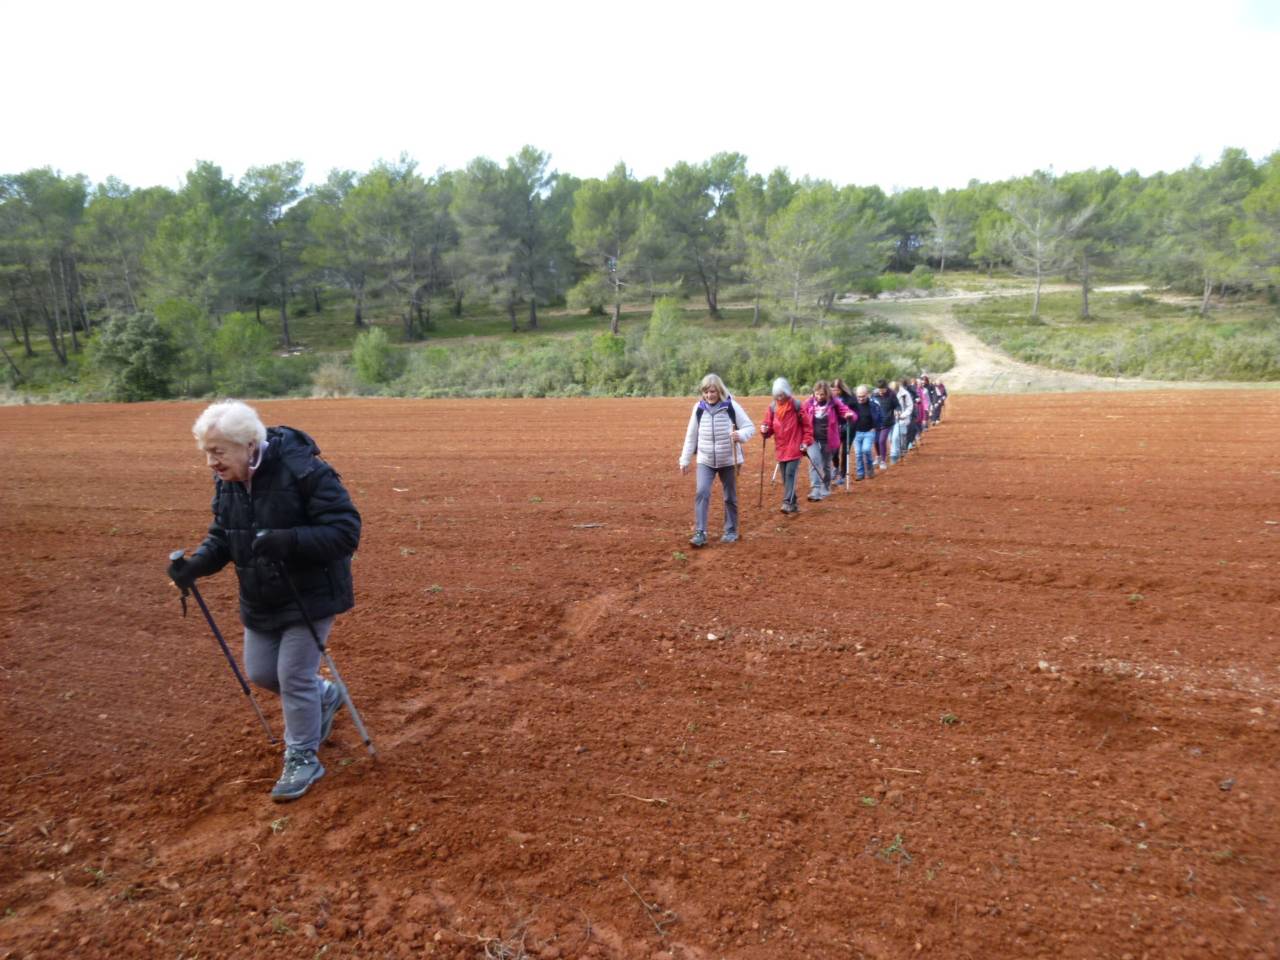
x=841, y=412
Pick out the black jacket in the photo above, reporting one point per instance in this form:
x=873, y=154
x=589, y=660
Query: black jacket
x=866, y=416
x=292, y=488
x=882, y=407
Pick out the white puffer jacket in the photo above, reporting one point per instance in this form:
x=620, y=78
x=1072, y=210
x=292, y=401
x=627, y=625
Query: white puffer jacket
x=712, y=435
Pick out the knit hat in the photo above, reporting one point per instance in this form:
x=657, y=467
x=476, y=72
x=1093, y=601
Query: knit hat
x=781, y=388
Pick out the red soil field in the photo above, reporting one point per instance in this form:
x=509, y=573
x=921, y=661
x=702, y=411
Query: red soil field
x=1019, y=696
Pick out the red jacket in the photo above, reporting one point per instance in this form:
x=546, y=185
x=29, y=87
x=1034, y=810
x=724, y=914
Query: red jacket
x=836, y=412
x=791, y=429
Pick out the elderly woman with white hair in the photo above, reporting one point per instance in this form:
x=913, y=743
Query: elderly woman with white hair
x=791, y=426
x=279, y=510
x=718, y=427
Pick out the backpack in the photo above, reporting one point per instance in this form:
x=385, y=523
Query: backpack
x=799, y=408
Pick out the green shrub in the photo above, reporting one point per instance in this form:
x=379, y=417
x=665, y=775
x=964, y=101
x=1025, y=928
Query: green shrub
x=291, y=376
x=138, y=355
x=242, y=347
x=193, y=331
x=590, y=294
x=668, y=357
x=921, y=277
x=376, y=360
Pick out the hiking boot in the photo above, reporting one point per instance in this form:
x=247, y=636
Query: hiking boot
x=302, y=768
x=330, y=704
x=699, y=538
x=790, y=508
x=814, y=497
x=729, y=538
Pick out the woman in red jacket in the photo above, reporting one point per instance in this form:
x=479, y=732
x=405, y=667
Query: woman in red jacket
x=792, y=432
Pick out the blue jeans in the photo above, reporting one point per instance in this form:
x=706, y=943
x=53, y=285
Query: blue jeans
x=864, y=446
x=820, y=470
x=898, y=440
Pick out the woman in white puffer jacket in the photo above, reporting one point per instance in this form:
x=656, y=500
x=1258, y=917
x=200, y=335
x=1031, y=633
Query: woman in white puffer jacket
x=718, y=429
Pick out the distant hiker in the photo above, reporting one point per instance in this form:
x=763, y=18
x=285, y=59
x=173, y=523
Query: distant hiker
x=901, y=421
x=864, y=434
x=913, y=425
x=845, y=396
x=792, y=433
x=940, y=389
x=924, y=401
x=718, y=426
x=827, y=413
x=935, y=406
x=273, y=482
x=883, y=406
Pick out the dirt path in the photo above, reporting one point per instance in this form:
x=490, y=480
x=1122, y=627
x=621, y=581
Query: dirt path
x=981, y=368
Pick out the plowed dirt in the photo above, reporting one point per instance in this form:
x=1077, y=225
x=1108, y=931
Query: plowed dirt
x=1018, y=696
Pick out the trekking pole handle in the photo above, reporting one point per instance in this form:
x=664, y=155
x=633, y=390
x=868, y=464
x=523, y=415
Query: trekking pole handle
x=174, y=557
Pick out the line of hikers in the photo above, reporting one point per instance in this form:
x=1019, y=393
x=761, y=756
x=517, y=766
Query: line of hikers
x=877, y=427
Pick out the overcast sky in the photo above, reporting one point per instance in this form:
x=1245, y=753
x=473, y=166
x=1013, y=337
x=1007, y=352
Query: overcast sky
x=917, y=93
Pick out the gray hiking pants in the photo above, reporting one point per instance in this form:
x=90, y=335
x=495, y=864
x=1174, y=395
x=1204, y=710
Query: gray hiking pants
x=287, y=662
x=788, y=471
x=702, y=498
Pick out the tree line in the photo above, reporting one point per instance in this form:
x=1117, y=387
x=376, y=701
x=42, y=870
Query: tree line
x=520, y=235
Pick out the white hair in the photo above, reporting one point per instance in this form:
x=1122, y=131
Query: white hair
x=782, y=388
x=233, y=419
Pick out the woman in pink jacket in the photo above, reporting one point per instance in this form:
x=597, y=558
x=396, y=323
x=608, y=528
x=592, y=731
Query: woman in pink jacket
x=826, y=411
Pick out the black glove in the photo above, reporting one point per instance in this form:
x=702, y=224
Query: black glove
x=184, y=572
x=275, y=544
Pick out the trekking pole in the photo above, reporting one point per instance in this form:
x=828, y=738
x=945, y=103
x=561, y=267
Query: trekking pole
x=848, y=474
x=226, y=651
x=333, y=667
x=764, y=446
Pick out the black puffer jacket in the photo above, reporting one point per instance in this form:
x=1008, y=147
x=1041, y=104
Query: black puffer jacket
x=292, y=488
